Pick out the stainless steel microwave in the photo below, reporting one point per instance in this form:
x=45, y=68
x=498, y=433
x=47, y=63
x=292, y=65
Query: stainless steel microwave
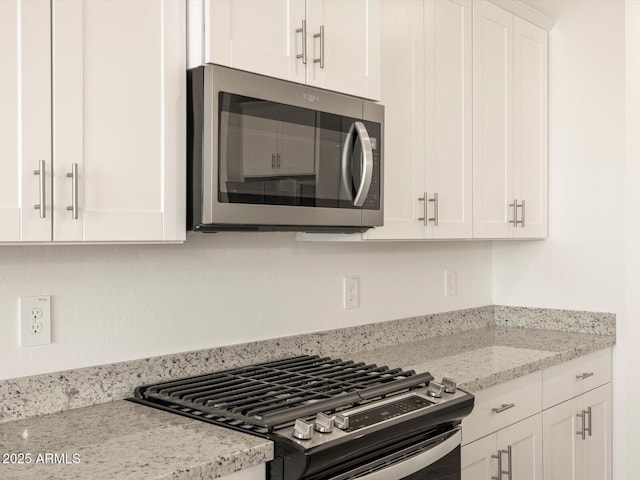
x=267, y=154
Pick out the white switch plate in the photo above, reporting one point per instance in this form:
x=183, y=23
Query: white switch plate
x=450, y=282
x=35, y=320
x=351, y=292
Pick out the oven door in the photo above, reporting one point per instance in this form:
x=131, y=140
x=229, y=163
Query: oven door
x=437, y=458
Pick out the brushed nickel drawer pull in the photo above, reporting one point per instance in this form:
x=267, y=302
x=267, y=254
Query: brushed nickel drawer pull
x=505, y=406
x=584, y=375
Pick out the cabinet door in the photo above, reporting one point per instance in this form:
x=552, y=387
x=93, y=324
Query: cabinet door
x=256, y=35
x=525, y=440
x=492, y=121
x=402, y=95
x=25, y=120
x=530, y=127
x=348, y=49
x=561, y=443
x=477, y=460
x=119, y=96
x=596, y=461
x=448, y=149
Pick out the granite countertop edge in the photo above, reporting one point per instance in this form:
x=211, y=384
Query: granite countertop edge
x=230, y=458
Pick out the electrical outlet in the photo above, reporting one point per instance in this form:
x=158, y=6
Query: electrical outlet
x=351, y=292
x=450, y=282
x=35, y=320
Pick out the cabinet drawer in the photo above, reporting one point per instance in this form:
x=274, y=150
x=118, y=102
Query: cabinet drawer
x=524, y=393
x=575, y=377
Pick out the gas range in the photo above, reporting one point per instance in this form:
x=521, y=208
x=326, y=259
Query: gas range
x=329, y=418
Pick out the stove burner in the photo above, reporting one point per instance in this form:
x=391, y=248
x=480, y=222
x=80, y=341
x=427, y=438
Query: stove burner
x=277, y=393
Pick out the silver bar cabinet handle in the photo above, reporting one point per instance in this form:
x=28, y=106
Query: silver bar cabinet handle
x=521, y=221
x=425, y=216
x=584, y=375
x=582, y=432
x=514, y=205
x=73, y=208
x=505, y=406
x=434, y=219
x=509, y=471
x=321, y=36
x=303, y=30
x=278, y=160
x=588, y=429
x=41, y=189
x=273, y=160
x=499, y=457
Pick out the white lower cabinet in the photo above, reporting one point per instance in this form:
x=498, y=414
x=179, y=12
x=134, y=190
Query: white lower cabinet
x=577, y=437
x=515, y=450
x=559, y=418
x=253, y=473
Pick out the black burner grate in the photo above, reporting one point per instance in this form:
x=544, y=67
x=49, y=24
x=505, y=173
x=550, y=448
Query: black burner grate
x=276, y=393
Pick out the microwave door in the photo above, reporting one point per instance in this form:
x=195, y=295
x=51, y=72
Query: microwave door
x=357, y=164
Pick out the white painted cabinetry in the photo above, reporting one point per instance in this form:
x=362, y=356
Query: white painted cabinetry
x=119, y=117
x=325, y=43
x=577, y=431
x=509, y=125
x=253, y=473
x=25, y=121
x=504, y=431
x=566, y=440
x=516, y=450
x=426, y=90
x=96, y=93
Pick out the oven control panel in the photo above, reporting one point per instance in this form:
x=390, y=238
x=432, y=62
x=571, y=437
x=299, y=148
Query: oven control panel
x=385, y=412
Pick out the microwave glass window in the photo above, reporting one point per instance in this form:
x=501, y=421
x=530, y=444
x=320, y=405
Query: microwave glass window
x=278, y=154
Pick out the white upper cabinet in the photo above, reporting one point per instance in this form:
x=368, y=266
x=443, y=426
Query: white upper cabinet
x=509, y=125
x=343, y=46
x=92, y=129
x=255, y=35
x=530, y=91
x=25, y=121
x=403, y=97
x=119, y=95
x=426, y=90
x=325, y=43
x=448, y=103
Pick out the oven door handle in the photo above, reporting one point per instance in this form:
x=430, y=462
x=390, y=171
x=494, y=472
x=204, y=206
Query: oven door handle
x=406, y=467
x=366, y=159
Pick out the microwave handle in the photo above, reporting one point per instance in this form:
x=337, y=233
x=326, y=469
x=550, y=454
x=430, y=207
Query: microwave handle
x=367, y=163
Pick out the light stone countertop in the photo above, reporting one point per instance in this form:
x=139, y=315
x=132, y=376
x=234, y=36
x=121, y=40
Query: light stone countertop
x=125, y=441
x=484, y=357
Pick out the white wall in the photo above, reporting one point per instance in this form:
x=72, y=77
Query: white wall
x=582, y=264
x=627, y=414
x=113, y=303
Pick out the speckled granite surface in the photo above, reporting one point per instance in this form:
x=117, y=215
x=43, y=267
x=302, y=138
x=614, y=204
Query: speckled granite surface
x=597, y=323
x=126, y=441
x=481, y=358
x=60, y=391
x=122, y=440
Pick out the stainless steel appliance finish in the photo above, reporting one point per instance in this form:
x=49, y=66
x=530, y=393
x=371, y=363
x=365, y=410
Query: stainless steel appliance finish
x=266, y=154
x=331, y=419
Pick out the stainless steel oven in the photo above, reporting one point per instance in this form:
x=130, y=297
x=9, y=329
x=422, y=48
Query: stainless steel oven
x=266, y=154
x=331, y=419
